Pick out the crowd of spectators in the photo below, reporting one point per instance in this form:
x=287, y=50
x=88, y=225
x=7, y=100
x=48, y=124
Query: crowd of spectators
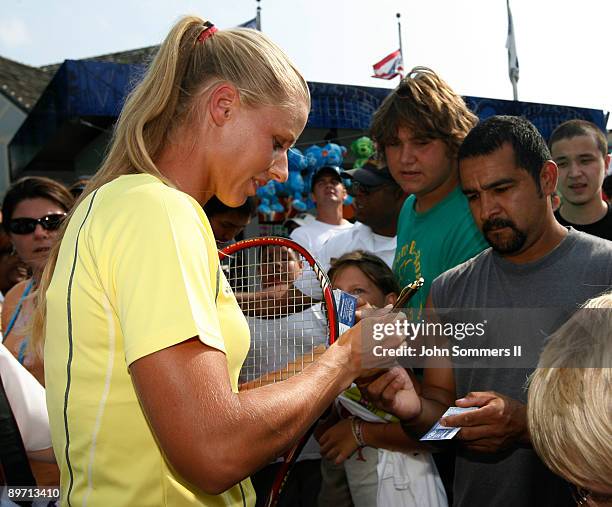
x=470, y=207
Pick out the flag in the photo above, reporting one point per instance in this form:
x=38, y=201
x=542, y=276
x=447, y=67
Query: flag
x=513, y=64
x=390, y=66
x=251, y=23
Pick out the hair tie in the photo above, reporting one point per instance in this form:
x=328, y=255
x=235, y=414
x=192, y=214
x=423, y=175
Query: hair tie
x=209, y=30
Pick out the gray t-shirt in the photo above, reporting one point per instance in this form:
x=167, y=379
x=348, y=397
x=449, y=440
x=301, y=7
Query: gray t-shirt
x=579, y=268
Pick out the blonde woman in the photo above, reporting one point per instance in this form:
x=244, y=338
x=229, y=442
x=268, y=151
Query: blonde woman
x=144, y=339
x=570, y=403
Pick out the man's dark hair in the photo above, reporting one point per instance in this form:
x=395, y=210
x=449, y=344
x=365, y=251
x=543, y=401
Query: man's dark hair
x=574, y=128
x=214, y=207
x=530, y=149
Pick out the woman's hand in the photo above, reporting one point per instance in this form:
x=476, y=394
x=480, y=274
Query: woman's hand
x=368, y=346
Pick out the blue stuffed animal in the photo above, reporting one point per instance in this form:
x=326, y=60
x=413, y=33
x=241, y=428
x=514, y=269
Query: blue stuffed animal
x=265, y=194
x=297, y=203
x=314, y=156
x=296, y=161
x=333, y=154
x=295, y=182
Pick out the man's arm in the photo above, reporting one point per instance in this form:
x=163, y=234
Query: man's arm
x=44, y=455
x=498, y=422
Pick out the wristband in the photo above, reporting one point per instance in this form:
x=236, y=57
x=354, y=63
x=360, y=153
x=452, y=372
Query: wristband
x=357, y=429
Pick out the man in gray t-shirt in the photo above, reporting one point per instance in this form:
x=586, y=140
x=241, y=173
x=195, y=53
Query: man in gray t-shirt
x=534, y=263
x=579, y=268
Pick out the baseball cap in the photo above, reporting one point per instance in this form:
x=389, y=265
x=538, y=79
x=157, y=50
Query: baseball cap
x=325, y=170
x=369, y=175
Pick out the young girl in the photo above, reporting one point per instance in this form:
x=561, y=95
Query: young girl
x=358, y=468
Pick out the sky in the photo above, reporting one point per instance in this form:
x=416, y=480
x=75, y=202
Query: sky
x=562, y=45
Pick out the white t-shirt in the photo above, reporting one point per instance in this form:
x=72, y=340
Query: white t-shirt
x=313, y=234
x=358, y=237
x=27, y=399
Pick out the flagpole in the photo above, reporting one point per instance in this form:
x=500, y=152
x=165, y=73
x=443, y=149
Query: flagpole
x=513, y=66
x=258, y=16
x=399, y=31
x=399, y=34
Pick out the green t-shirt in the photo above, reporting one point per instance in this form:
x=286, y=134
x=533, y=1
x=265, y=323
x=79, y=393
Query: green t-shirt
x=433, y=242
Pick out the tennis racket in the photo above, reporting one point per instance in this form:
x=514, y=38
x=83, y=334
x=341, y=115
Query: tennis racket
x=290, y=327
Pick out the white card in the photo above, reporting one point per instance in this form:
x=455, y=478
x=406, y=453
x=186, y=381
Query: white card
x=439, y=432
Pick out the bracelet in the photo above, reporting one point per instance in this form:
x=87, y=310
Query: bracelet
x=357, y=429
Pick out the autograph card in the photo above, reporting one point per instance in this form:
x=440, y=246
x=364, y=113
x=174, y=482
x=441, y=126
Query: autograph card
x=346, y=305
x=438, y=432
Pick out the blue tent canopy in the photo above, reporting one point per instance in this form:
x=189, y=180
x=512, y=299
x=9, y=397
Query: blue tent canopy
x=85, y=94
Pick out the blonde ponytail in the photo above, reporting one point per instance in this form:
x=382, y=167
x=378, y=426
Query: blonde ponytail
x=181, y=71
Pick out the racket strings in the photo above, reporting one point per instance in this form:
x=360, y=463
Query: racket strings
x=275, y=287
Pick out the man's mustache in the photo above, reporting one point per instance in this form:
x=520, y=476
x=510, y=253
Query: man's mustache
x=497, y=223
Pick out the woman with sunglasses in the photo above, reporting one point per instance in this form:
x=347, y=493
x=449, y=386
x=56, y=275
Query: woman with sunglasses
x=32, y=211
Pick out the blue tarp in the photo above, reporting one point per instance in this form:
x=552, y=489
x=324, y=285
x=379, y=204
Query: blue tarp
x=351, y=107
x=90, y=89
x=79, y=89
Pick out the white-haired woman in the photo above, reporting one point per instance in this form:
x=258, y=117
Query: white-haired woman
x=570, y=403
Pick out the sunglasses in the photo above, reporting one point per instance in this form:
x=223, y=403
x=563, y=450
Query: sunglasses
x=360, y=188
x=28, y=225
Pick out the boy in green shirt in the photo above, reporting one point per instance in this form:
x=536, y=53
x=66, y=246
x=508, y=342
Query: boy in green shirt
x=419, y=128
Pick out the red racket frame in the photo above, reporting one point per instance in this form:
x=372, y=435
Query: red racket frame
x=291, y=456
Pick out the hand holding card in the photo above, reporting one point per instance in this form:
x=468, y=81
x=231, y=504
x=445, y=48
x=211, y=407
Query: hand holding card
x=496, y=423
x=439, y=432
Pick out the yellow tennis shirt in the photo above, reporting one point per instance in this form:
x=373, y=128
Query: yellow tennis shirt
x=136, y=273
